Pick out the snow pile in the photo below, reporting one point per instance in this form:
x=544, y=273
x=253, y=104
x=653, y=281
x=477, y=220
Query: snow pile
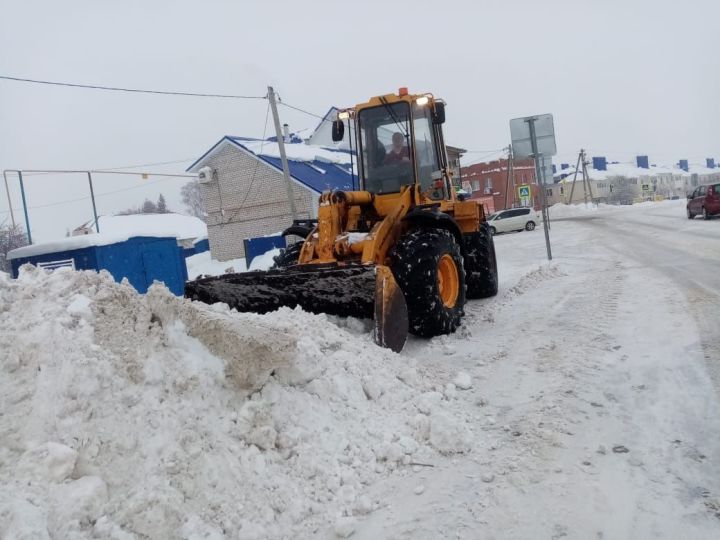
x=560, y=210
x=202, y=264
x=264, y=261
x=152, y=416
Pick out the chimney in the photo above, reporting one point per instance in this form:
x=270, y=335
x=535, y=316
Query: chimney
x=710, y=163
x=599, y=163
x=642, y=162
x=683, y=164
x=286, y=133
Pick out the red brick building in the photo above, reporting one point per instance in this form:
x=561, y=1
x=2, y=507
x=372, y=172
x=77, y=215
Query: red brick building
x=490, y=179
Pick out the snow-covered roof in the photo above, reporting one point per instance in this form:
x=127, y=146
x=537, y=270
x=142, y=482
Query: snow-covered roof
x=115, y=229
x=177, y=225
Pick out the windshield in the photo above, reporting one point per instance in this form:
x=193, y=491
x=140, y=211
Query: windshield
x=492, y=216
x=385, y=154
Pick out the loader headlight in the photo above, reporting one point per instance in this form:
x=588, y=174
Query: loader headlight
x=343, y=115
x=422, y=100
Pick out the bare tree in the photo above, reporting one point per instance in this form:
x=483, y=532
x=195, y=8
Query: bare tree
x=192, y=198
x=11, y=237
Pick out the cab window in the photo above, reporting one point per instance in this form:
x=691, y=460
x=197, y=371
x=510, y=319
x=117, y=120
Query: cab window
x=426, y=154
x=386, y=158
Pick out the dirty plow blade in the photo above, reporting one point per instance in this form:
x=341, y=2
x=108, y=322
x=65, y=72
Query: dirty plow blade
x=362, y=291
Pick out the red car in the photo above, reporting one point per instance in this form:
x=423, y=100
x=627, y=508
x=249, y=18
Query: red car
x=704, y=201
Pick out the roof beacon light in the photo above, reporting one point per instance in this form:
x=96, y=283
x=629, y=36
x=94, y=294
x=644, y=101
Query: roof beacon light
x=422, y=100
x=403, y=91
x=343, y=115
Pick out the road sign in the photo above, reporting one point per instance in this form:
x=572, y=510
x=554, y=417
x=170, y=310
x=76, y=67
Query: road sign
x=544, y=133
x=534, y=136
x=524, y=194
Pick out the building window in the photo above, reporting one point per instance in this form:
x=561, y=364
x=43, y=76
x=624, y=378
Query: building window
x=633, y=181
x=488, y=186
x=562, y=191
x=548, y=192
x=476, y=185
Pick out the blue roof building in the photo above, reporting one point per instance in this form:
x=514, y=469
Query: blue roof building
x=244, y=188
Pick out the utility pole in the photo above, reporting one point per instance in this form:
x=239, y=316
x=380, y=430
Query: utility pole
x=582, y=161
x=538, y=176
x=283, y=156
x=92, y=196
x=510, y=176
x=577, y=166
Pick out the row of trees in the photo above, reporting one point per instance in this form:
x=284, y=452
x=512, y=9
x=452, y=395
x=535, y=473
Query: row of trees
x=191, y=197
x=148, y=207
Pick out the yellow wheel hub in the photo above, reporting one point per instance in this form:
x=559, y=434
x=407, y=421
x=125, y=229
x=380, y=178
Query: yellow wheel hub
x=448, y=281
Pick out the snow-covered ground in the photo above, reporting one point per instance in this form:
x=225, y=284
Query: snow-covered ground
x=581, y=402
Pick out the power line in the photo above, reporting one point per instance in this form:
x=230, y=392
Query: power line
x=133, y=90
x=304, y=111
x=68, y=201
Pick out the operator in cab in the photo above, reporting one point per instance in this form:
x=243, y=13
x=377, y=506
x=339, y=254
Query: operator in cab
x=399, y=152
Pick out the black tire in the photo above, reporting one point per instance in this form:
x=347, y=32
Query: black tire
x=481, y=273
x=530, y=226
x=288, y=256
x=493, y=232
x=690, y=214
x=415, y=261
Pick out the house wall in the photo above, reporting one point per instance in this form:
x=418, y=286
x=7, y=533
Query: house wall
x=248, y=199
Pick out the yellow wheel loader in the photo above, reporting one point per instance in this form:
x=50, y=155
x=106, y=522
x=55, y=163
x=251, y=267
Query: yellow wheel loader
x=403, y=250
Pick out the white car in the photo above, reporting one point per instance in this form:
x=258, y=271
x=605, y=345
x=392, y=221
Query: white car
x=513, y=219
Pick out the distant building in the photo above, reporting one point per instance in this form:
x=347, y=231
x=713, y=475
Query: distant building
x=625, y=183
x=492, y=180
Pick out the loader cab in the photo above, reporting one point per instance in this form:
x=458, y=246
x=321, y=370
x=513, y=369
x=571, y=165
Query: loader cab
x=400, y=143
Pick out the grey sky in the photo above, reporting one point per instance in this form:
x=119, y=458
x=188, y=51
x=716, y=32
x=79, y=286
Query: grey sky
x=621, y=78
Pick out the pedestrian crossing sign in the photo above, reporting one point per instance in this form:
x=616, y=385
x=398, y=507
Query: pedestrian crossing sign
x=524, y=192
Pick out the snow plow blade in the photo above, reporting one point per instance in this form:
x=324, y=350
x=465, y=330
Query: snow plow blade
x=362, y=291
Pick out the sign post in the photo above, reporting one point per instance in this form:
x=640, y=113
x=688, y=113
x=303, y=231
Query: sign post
x=534, y=136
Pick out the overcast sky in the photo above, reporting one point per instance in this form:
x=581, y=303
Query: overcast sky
x=621, y=77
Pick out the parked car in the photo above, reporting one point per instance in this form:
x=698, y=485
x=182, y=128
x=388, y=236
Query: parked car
x=704, y=201
x=513, y=219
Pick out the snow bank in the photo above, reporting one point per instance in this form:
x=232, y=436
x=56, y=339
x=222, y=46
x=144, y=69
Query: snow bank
x=152, y=416
x=264, y=261
x=202, y=264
